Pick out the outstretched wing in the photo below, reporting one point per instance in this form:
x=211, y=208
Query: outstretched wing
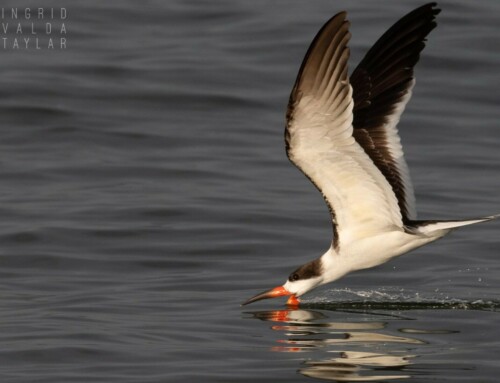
x=320, y=142
x=382, y=85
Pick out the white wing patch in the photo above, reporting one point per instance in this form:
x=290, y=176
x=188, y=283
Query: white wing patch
x=322, y=146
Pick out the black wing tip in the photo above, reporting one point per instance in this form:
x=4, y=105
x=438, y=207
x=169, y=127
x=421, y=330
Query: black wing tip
x=428, y=10
x=425, y=14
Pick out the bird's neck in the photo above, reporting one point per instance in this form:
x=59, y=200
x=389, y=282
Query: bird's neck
x=333, y=266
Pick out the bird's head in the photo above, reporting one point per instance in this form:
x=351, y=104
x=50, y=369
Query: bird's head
x=302, y=280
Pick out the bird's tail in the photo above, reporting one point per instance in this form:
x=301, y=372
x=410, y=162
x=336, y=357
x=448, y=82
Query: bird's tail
x=435, y=227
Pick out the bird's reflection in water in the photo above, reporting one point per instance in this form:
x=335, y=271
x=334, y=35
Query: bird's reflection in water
x=357, y=351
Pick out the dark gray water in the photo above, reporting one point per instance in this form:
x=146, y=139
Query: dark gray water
x=145, y=193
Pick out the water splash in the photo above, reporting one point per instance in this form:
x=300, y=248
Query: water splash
x=395, y=299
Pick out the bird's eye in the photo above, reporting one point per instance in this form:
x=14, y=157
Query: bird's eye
x=294, y=277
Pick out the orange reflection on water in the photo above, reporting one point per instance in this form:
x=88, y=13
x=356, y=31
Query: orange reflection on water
x=359, y=346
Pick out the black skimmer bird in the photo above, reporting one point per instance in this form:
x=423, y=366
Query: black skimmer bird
x=341, y=132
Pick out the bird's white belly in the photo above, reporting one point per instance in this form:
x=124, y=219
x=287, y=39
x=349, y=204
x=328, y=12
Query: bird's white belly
x=376, y=250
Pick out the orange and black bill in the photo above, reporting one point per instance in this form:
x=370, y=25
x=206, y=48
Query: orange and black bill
x=279, y=291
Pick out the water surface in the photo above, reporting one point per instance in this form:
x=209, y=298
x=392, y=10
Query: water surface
x=145, y=193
